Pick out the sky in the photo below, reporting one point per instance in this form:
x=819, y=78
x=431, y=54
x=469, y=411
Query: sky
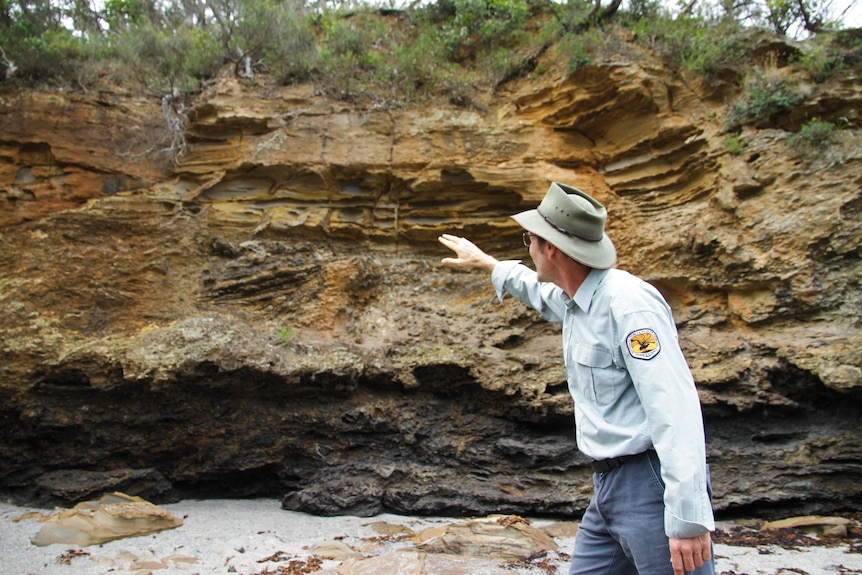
x=853, y=19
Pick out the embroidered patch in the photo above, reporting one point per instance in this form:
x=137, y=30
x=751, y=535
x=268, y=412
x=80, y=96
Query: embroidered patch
x=643, y=344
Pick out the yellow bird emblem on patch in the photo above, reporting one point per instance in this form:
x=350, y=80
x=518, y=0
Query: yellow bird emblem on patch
x=643, y=344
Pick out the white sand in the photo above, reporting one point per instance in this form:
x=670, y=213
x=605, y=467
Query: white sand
x=235, y=536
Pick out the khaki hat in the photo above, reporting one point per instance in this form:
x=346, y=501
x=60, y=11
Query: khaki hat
x=575, y=223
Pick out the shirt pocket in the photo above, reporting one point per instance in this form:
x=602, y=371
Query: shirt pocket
x=596, y=373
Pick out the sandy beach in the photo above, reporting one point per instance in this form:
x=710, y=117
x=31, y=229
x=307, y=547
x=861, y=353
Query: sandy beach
x=252, y=537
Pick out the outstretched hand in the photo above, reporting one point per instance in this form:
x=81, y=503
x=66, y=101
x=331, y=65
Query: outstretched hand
x=690, y=553
x=468, y=254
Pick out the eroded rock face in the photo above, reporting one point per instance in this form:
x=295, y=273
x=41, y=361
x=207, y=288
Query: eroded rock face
x=269, y=317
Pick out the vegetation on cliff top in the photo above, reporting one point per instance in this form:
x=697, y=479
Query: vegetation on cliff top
x=364, y=52
x=447, y=50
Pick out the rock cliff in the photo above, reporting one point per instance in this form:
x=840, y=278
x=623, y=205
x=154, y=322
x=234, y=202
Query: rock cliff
x=267, y=315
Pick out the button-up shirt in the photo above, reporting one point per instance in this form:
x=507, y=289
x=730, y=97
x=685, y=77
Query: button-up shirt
x=631, y=385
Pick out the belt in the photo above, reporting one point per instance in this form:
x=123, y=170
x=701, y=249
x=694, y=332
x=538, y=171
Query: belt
x=605, y=465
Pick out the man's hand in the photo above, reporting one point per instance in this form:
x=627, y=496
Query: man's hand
x=690, y=553
x=469, y=256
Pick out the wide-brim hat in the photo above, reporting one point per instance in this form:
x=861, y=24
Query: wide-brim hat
x=575, y=223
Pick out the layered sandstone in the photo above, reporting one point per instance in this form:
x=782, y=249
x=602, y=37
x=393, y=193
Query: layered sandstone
x=268, y=316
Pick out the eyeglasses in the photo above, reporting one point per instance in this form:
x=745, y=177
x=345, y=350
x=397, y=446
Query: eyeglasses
x=528, y=238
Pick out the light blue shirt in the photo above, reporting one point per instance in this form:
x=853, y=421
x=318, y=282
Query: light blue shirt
x=631, y=385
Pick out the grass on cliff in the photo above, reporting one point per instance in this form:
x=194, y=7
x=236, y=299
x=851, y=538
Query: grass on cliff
x=460, y=52
x=446, y=49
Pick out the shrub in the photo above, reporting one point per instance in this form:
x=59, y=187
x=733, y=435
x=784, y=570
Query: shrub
x=55, y=56
x=365, y=58
x=644, y=10
x=167, y=61
x=578, y=49
x=254, y=26
x=821, y=63
x=574, y=15
x=734, y=144
x=285, y=336
x=481, y=24
x=501, y=64
x=203, y=56
x=814, y=134
x=713, y=49
x=690, y=43
x=351, y=64
x=763, y=96
x=291, y=53
x=419, y=67
x=595, y=44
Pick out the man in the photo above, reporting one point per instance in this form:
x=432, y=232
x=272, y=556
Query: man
x=637, y=412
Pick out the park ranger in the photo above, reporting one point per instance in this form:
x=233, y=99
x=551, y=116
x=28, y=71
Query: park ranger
x=637, y=412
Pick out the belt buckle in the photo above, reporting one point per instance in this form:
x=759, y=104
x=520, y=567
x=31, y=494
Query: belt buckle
x=604, y=465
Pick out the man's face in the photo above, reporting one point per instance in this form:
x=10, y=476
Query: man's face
x=538, y=252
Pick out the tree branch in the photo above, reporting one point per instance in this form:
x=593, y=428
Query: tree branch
x=10, y=65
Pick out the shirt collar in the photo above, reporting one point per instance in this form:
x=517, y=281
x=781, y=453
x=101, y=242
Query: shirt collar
x=584, y=295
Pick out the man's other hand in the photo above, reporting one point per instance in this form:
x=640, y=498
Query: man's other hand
x=690, y=553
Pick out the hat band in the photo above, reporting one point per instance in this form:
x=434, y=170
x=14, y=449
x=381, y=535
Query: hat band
x=565, y=231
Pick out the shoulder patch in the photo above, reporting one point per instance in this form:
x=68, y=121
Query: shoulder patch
x=643, y=344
